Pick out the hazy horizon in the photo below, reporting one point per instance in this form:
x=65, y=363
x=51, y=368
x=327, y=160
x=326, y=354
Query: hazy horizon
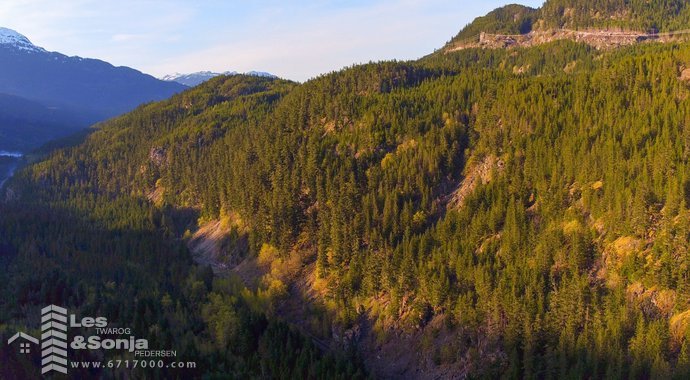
x=294, y=40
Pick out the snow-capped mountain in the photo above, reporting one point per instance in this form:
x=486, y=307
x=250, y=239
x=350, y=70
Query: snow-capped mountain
x=19, y=41
x=195, y=79
x=260, y=74
x=83, y=91
x=55, y=79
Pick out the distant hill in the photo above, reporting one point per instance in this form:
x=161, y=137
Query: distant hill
x=89, y=90
x=195, y=79
x=26, y=124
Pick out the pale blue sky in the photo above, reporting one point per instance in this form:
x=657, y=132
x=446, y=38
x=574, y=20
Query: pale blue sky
x=293, y=39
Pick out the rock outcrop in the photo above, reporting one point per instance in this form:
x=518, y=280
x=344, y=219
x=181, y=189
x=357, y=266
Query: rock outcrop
x=600, y=39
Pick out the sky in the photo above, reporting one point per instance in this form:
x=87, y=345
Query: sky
x=293, y=39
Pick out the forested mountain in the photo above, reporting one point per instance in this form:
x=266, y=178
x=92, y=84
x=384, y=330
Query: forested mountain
x=660, y=15
x=648, y=16
x=511, y=19
x=517, y=213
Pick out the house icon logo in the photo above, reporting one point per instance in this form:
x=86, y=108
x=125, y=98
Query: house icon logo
x=53, y=340
x=25, y=342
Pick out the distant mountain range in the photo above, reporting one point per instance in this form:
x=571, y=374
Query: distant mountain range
x=47, y=94
x=195, y=79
